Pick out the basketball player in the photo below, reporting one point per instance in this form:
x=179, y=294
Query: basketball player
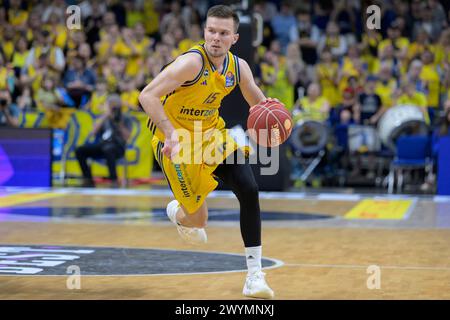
x=187, y=91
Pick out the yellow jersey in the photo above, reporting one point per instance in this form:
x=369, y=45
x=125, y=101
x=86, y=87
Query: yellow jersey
x=312, y=109
x=281, y=88
x=132, y=98
x=199, y=100
x=97, y=102
x=327, y=74
x=417, y=99
x=17, y=17
x=401, y=43
x=430, y=76
x=8, y=49
x=386, y=90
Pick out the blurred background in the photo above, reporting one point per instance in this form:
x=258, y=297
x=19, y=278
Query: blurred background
x=368, y=90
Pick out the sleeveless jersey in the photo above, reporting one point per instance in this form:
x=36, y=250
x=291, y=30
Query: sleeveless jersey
x=199, y=100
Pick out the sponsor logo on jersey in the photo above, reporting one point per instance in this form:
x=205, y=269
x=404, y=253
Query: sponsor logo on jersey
x=229, y=79
x=197, y=112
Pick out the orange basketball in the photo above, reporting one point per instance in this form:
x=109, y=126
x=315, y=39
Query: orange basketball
x=269, y=123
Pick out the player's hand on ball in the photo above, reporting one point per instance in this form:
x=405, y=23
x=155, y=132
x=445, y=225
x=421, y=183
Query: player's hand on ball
x=269, y=99
x=269, y=123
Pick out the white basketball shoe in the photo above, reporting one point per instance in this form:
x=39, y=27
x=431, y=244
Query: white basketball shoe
x=257, y=287
x=191, y=235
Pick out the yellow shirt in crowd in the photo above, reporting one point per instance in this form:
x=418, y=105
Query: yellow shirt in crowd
x=417, y=99
x=311, y=110
x=132, y=98
x=430, y=75
x=281, y=89
x=97, y=100
x=326, y=74
x=400, y=43
x=386, y=90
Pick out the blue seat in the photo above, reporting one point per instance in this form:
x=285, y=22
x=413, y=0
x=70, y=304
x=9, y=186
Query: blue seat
x=413, y=152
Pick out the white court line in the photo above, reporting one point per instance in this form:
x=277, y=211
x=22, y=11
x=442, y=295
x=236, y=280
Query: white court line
x=410, y=209
x=350, y=266
x=334, y=196
x=228, y=194
x=440, y=199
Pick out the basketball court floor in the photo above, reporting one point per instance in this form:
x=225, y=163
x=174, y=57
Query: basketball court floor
x=315, y=246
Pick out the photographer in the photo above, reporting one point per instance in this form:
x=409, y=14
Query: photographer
x=8, y=112
x=112, y=131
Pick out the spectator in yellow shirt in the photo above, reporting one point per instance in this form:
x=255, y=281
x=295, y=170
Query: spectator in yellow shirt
x=296, y=70
x=442, y=48
x=400, y=44
x=49, y=102
x=34, y=26
x=140, y=46
x=312, y=107
x=7, y=43
x=352, y=66
x=44, y=45
x=413, y=75
x=6, y=75
x=129, y=95
x=194, y=37
x=111, y=42
x=96, y=104
x=33, y=74
x=421, y=43
x=431, y=79
x=151, y=21
x=20, y=54
x=369, y=47
x=113, y=71
x=149, y=71
x=16, y=16
x=327, y=76
x=386, y=85
x=275, y=79
x=333, y=40
x=409, y=95
x=387, y=56
x=134, y=13
x=57, y=29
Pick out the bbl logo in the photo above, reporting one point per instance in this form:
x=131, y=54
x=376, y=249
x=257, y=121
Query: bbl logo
x=229, y=79
x=55, y=260
x=34, y=260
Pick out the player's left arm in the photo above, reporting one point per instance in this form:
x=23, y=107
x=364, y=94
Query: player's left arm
x=251, y=92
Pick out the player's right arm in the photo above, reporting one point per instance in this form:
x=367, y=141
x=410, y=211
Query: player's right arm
x=185, y=68
x=250, y=91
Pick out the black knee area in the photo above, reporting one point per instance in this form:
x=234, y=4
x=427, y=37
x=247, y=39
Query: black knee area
x=242, y=182
x=248, y=191
x=78, y=153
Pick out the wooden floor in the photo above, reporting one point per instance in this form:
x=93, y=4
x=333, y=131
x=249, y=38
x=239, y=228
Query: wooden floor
x=322, y=258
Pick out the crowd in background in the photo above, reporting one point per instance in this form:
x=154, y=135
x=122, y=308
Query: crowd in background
x=319, y=57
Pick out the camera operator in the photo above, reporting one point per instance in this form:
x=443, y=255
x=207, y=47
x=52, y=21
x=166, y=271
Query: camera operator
x=8, y=112
x=112, y=131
